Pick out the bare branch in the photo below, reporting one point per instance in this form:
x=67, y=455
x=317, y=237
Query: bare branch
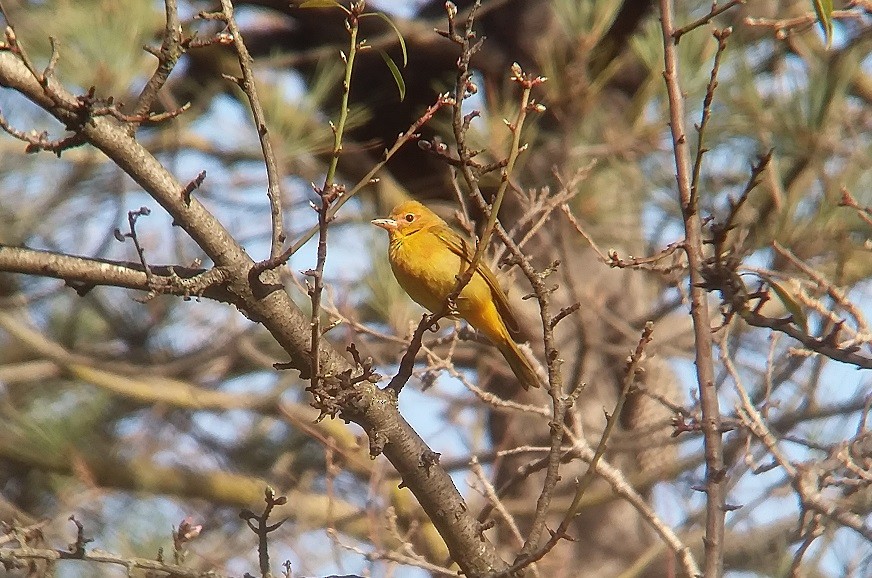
x=711, y=415
x=249, y=87
x=272, y=307
x=84, y=273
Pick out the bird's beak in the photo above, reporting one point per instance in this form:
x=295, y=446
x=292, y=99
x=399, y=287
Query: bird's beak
x=386, y=224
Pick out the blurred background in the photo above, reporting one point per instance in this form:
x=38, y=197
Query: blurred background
x=135, y=413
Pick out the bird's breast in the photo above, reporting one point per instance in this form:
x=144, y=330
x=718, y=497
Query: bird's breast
x=424, y=268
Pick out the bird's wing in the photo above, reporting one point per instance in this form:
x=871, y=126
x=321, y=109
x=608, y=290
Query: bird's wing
x=465, y=250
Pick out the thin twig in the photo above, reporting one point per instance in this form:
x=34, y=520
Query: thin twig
x=329, y=193
x=259, y=524
x=863, y=212
x=460, y=124
x=711, y=416
x=633, y=366
x=783, y=27
x=441, y=101
x=490, y=494
x=721, y=36
x=612, y=259
x=249, y=87
x=14, y=556
x=715, y=11
x=171, y=50
x=836, y=294
x=826, y=345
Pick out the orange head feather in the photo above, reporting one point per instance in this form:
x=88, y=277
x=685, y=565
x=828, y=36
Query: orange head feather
x=408, y=217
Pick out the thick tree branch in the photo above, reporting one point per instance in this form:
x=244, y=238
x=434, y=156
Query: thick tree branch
x=365, y=404
x=85, y=273
x=13, y=556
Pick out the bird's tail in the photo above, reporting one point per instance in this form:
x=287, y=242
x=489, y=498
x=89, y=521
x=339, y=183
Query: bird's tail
x=519, y=363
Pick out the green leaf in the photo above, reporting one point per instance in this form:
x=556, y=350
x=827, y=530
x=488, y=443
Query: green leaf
x=791, y=304
x=322, y=4
x=397, y=31
x=395, y=71
x=824, y=11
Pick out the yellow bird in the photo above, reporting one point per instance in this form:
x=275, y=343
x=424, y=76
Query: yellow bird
x=426, y=257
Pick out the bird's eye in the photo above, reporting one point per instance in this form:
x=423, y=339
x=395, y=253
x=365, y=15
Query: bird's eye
x=410, y=217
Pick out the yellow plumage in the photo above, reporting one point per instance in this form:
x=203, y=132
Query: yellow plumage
x=426, y=256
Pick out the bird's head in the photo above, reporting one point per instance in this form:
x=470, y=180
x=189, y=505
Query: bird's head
x=408, y=217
